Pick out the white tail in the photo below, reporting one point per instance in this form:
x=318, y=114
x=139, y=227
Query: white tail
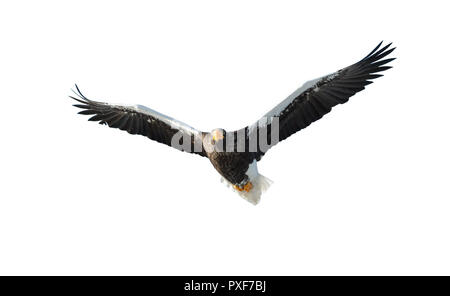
x=260, y=184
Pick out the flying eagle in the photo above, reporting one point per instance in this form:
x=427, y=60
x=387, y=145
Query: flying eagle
x=235, y=154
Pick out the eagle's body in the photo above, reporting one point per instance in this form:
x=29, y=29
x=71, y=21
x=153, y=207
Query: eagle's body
x=231, y=165
x=240, y=170
x=235, y=154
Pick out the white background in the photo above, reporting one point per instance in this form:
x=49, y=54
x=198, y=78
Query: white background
x=364, y=191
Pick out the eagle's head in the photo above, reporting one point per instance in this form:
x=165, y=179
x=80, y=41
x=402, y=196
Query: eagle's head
x=217, y=135
x=214, y=141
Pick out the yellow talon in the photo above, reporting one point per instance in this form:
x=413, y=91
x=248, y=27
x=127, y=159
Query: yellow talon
x=247, y=187
x=237, y=188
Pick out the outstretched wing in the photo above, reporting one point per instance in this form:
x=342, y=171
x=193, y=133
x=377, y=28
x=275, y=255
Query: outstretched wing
x=144, y=121
x=316, y=97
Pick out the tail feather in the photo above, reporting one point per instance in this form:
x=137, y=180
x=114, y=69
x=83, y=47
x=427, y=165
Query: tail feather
x=260, y=185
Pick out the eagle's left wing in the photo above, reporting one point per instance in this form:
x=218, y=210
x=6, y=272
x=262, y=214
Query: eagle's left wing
x=144, y=121
x=316, y=98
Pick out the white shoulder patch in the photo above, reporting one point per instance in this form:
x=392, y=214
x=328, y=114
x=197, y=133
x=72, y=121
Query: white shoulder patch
x=281, y=106
x=164, y=118
x=275, y=112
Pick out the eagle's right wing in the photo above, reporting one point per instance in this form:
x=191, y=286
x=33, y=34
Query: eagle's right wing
x=316, y=98
x=144, y=121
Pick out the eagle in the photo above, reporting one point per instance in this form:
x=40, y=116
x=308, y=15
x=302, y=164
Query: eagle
x=234, y=154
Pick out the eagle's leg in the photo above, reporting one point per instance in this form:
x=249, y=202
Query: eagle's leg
x=246, y=187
